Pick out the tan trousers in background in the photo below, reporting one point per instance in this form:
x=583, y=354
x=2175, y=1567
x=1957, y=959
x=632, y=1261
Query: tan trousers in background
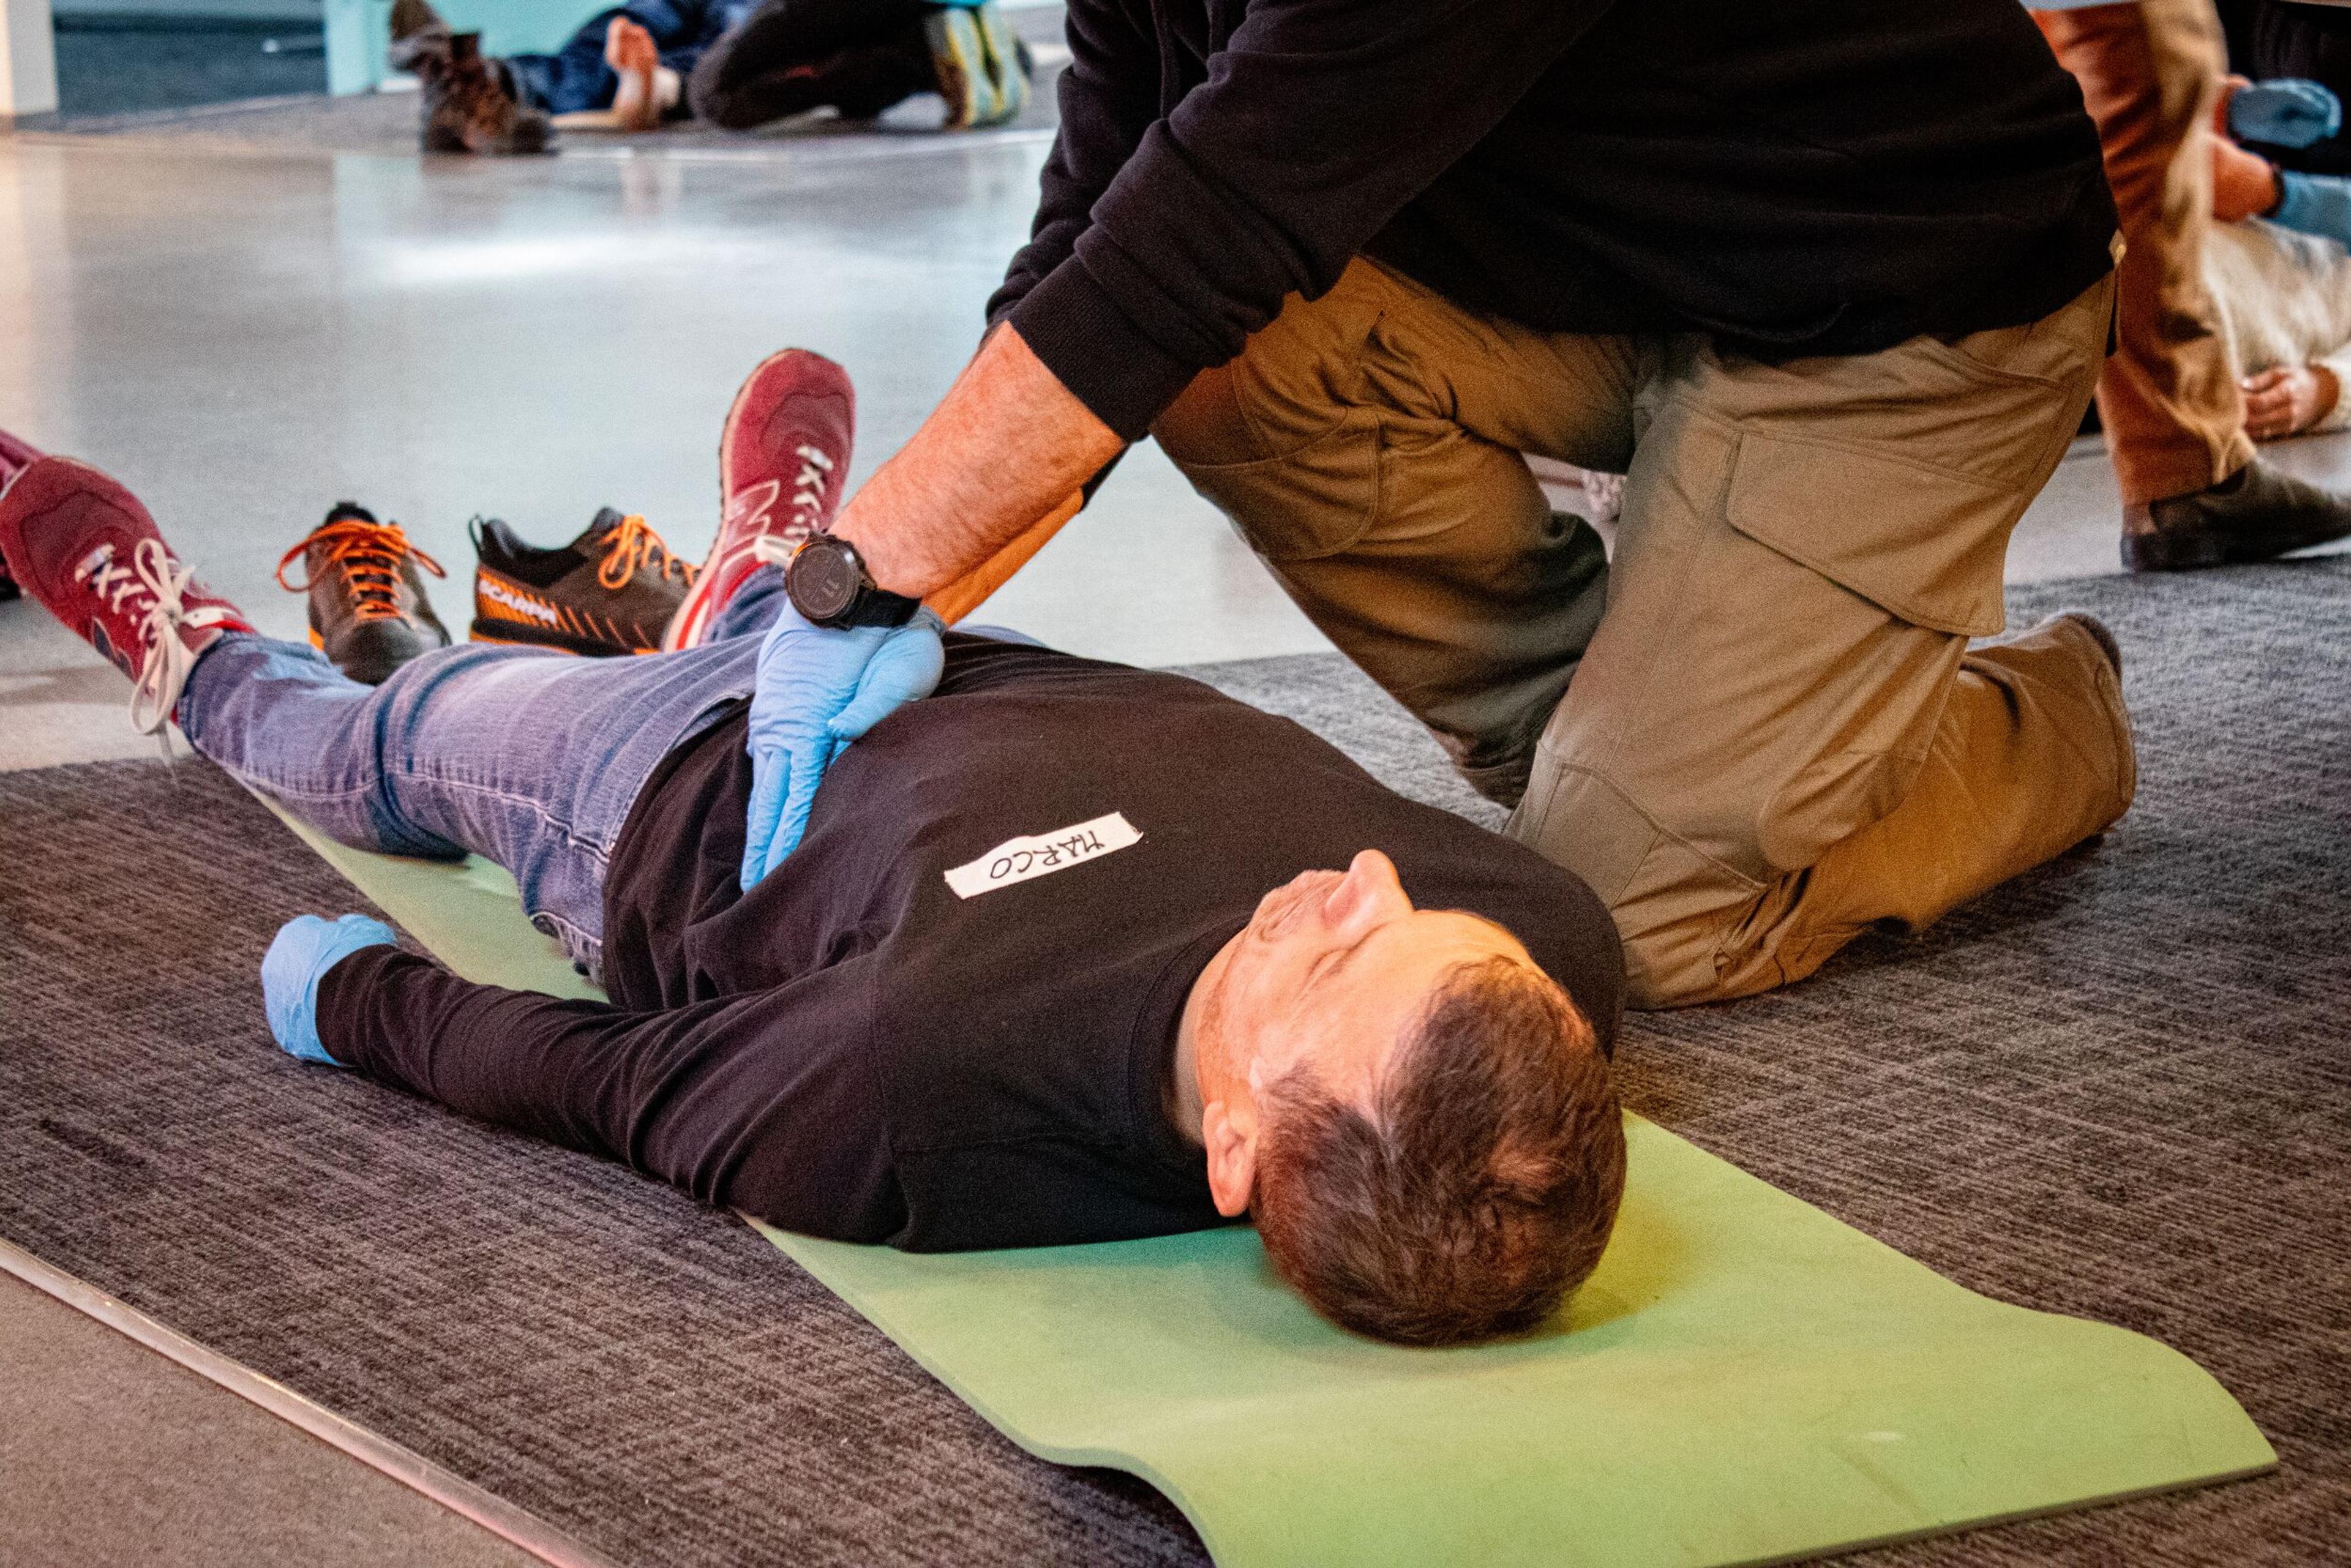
x=1774, y=735
x=2150, y=73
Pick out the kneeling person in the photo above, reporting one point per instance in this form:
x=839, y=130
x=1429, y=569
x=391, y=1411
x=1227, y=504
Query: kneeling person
x=1022, y=982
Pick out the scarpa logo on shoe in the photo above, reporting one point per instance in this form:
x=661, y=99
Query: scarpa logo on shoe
x=521, y=604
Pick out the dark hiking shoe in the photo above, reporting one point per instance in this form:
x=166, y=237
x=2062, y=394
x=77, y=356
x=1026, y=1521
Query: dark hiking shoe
x=367, y=610
x=84, y=546
x=2255, y=514
x=610, y=591
x=470, y=102
x=980, y=68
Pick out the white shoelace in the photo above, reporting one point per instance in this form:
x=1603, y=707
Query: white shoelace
x=808, y=506
x=808, y=490
x=163, y=671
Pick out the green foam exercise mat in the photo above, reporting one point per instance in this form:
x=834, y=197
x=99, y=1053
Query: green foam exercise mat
x=1745, y=1379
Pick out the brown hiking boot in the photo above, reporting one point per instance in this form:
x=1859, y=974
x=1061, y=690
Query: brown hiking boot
x=413, y=20
x=470, y=104
x=367, y=610
x=610, y=591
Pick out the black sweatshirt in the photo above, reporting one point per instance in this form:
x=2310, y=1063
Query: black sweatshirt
x=1795, y=176
x=855, y=1049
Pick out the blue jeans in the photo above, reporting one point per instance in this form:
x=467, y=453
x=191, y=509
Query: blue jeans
x=531, y=760
x=575, y=77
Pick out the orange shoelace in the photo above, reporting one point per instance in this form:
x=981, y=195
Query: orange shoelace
x=370, y=556
x=634, y=545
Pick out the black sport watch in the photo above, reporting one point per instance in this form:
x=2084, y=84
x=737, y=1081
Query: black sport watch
x=827, y=582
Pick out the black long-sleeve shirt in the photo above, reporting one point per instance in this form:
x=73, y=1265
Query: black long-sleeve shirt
x=1796, y=177
x=949, y=1019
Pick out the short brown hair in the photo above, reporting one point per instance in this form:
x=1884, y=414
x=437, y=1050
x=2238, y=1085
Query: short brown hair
x=1482, y=1187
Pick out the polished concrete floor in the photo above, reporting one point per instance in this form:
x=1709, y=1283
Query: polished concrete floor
x=97, y=1435
x=246, y=338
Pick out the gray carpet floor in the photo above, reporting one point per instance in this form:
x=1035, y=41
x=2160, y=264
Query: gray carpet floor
x=2119, y=1087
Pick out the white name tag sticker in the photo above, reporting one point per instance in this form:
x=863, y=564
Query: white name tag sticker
x=1019, y=860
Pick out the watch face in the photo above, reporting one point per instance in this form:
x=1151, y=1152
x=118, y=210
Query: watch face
x=823, y=580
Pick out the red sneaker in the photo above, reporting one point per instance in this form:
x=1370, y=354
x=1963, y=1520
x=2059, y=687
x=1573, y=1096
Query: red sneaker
x=84, y=546
x=783, y=462
x=15, y=456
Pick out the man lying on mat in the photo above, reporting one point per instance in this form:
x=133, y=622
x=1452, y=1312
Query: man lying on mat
x=1023, y=981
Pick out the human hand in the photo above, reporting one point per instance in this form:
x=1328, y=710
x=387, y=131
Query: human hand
x=304, y=949
x=818, y=689
x=2287, y=400
x=2288, y=113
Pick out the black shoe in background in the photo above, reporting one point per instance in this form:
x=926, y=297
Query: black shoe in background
x=367, y=610
x=2255, y=514
x=610, y=591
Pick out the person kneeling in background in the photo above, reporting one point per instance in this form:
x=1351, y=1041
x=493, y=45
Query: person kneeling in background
x=737, y=64
x=1069, y=952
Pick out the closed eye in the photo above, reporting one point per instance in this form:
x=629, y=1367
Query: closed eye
x=1330, y=962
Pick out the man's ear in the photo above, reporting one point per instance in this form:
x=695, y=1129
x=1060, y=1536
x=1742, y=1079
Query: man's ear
x=1231, y=1142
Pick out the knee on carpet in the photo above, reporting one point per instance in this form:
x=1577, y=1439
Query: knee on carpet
x=1695, y=930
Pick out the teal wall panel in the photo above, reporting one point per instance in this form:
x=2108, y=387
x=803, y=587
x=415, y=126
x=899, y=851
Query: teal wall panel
x=358, y=32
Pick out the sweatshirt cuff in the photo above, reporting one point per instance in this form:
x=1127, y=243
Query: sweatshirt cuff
x=1071, y=324
x=344, y=992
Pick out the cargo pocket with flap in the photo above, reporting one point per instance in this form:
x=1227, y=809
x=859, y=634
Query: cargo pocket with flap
x=1920, y=542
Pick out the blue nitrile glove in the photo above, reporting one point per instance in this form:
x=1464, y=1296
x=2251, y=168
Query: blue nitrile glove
x=305, y=949
x=2287, y=112
x=817, y=690
x=2315, y=204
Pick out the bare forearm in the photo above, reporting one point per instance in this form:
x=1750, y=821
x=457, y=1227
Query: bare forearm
x=1009, y=446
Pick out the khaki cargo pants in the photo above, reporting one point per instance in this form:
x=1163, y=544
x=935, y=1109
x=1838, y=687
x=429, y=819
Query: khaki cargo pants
x=1774, y=735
